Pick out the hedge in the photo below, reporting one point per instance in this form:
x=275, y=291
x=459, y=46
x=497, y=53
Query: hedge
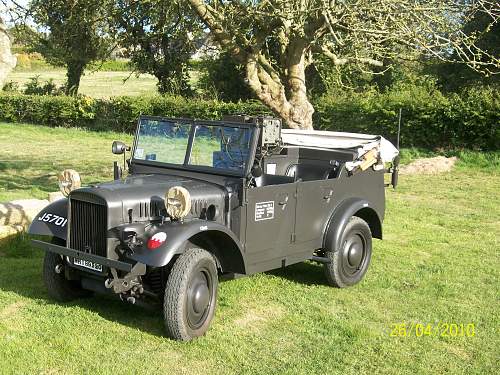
x=430, y=119
x=470, y=119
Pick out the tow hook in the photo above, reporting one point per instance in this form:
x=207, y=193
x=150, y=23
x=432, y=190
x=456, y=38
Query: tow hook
x=59, y=269
x=130, y=282
x=128, y=299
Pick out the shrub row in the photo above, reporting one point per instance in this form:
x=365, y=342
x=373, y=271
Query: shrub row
x=429, y=119
x=117, y=114
x=469, y=120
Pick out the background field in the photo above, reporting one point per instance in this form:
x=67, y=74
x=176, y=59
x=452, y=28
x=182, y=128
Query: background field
x=98, y=84
x=439, y=262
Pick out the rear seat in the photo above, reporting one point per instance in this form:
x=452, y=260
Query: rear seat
x=311, y=172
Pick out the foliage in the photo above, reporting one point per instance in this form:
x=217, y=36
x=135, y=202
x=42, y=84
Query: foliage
x=32, y=61
x=11, y=87
x=160, y=36
x=95, y=83
x=23, y=37
x=37, y=87
x=78, y=34
x=430, y=119
x=224, y=78
x=118, y=65
x=453, y=77
x=277, y=40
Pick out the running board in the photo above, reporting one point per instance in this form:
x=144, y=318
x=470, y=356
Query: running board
x=321, y=259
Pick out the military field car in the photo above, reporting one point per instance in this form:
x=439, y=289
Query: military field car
x=209, y=199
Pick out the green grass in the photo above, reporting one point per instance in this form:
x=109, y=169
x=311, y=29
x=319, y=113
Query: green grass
x=100, y=84
x=438, y=262
x=32, y=156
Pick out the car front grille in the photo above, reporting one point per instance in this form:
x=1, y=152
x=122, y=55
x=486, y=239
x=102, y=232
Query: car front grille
x=88, y=225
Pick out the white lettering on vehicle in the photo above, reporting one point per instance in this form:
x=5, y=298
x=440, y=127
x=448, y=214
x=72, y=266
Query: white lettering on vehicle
x=264, y=211
x=53, y=219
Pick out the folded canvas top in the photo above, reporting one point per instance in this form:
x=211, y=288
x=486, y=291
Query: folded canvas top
x=361, y=143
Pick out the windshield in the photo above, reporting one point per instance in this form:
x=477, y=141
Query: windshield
x=216, y=146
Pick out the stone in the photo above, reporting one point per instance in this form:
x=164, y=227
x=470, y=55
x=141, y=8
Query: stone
x=55, y=196
x=7, y=60
x=10, y=230
x=20, y=212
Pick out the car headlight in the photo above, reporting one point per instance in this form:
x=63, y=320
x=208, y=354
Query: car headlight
x=69, y=180
x=178, y=202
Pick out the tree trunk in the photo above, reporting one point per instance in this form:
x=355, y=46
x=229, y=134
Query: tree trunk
x=74, y=75
x=301, y=110
x=7, y=60
x=290, y=103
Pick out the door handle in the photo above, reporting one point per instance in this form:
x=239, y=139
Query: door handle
x=283, y=203
x=328, y=196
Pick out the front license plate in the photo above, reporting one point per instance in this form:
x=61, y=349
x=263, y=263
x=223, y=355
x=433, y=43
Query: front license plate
x=87, y=264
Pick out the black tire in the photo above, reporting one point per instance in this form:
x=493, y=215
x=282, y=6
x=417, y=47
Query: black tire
x=349, y=263
x=58, y=287
x=190, y=295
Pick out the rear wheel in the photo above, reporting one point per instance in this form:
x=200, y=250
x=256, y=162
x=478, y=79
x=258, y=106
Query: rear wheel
x=58, y=287
x=190, y=295
x=349, y=263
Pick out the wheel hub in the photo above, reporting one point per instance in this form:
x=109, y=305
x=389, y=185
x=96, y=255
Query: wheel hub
x=353, y=254
x=201, y=298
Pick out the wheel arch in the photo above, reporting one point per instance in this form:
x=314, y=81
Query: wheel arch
x=341, y=215
x=40, y=227
x=226, y=251
x=369, y=215
x=214, y=237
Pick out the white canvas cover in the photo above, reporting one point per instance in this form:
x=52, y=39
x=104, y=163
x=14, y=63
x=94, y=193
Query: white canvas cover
x=361, y=143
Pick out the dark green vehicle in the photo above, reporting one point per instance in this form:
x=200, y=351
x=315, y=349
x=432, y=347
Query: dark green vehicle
x=210, y=199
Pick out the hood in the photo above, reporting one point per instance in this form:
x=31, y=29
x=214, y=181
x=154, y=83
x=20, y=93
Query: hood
x=141, y=197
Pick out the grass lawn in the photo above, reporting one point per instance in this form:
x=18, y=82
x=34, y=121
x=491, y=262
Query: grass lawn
x=96, y=84
x=439, y=263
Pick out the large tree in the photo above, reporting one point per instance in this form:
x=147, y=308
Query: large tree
x=161, y=36
x=7, y=60
x=75, y=34
x=276, y=40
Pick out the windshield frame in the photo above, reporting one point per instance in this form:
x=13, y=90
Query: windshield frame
x=185, y=166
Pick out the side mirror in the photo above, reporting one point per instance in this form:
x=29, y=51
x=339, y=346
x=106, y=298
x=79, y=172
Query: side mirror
x=257, y=171
x=119, y=148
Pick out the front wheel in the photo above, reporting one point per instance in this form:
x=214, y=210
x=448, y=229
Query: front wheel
x=58, y=287
x=349, y=263
x=190, y=295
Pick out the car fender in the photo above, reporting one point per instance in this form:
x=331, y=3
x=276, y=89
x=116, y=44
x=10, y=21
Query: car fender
x=341, y=216
x=178, y=236
x=52, y=220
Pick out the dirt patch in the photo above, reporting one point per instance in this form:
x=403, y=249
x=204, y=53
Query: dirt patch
x=12, y=309
x=436, y=165
x=10, y=316
x=258, y=316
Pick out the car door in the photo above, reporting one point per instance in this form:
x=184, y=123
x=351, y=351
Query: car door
x=270, y=224
x=315, y=203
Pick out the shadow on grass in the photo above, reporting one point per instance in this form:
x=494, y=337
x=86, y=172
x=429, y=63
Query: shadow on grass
x=24, y=277
x=21, y=273
x=16, y=175
x=307, y=273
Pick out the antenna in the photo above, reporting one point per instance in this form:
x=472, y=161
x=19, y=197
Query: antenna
x=395, y=163
x=399, y=127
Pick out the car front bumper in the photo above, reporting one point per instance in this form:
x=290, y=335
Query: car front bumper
x=116, y=264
